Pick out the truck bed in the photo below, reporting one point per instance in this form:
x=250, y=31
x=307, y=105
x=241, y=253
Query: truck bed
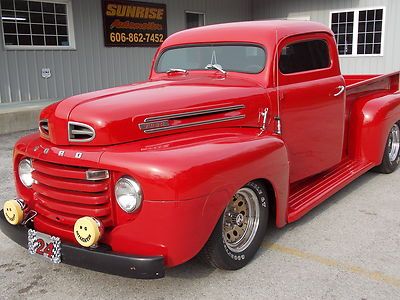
x=373, y=82
x=352, y=79
x=362, y=86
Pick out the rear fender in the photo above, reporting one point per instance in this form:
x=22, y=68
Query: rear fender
x=371, y=121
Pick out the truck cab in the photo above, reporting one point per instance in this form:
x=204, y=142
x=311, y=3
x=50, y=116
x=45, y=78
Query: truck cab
x=237, y=123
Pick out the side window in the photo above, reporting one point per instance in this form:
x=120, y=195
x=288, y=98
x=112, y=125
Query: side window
x=304, y=56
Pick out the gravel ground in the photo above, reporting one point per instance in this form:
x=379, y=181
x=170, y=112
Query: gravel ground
x=347, y=248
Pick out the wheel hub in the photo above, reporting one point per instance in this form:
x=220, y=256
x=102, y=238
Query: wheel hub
x=241, y=219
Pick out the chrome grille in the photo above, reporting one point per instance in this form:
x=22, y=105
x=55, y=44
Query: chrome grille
x=63, y=194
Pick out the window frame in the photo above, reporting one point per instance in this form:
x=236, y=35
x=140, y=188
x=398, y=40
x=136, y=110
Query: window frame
x=70, y=26
x=197, y=13
x=355, y=29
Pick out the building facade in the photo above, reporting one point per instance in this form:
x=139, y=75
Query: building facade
x=52, y=49
x=87, y=64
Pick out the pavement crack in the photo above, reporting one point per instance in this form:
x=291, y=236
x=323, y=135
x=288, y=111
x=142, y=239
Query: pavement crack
x=372, y=275
x=34, y=283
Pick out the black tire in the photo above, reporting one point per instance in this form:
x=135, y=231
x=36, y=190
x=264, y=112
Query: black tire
x=218, y=253
x=389, y=165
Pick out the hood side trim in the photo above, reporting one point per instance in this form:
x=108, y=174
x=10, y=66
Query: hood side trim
x=213, y=121
x=195, y=113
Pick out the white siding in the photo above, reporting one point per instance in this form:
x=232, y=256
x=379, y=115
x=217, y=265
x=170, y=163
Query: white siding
x=319, y=11
x=92, y=66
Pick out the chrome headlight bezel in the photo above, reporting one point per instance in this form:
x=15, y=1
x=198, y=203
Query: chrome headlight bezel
x=25, y=170
x=128, y=194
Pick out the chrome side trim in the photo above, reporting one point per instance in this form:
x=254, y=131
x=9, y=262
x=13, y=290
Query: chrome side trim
x=195, y=113
x=90, y=131
x=155, y=124
x=195, y=124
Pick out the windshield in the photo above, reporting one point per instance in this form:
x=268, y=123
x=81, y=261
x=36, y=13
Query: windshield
x=236, y=58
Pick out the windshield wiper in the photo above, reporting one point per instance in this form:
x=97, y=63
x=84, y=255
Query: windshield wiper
x=176, y=70
x=215, y=67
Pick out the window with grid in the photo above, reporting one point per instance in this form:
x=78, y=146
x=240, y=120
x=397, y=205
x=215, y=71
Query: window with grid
x=370, y=31
x=343, y=27
x=36, y=24
x=358, y=32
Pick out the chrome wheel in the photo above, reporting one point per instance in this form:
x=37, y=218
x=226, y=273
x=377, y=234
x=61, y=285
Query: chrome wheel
x=394, y=143
x=240, y=230
x=241, y=220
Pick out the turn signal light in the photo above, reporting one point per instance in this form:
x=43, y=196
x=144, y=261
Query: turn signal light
x=97, y=174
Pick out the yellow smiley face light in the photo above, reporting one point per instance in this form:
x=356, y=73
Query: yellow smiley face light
x=13, y=212
x=87, y=231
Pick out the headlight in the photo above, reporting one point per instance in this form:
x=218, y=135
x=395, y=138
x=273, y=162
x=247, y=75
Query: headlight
x=25, y=172
x=128, y=194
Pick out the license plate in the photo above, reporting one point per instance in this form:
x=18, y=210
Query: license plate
x=44, y=245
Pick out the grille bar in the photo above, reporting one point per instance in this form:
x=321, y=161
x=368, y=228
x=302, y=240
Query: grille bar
x=65, y=219
x=71, y=184
x=76, y=210
x=59, y=170
x=71, y=196
x=54, y=228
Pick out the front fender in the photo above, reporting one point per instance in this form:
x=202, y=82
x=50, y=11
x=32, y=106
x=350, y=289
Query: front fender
x=201, y=171
x=212, y=162
x=371, y=120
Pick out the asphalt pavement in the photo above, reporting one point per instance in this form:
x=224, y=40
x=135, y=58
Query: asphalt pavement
x=347, y=248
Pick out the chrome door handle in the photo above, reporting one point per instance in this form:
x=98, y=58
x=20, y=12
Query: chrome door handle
x=341, y=90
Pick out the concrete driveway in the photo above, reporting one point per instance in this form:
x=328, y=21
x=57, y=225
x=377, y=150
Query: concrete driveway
x=347, y=248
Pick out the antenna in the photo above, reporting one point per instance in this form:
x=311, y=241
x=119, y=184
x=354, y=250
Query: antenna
x=278, y=117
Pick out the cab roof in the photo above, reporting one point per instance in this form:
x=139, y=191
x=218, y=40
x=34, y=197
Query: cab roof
x=261, y=32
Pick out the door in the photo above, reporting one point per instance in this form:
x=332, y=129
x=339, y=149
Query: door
x=312, y=103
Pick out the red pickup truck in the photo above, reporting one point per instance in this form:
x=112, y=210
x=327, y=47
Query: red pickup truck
x=238, y=123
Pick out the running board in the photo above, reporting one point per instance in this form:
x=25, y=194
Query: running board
x=305, y=197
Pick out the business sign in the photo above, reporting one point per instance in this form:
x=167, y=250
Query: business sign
x=134, y=24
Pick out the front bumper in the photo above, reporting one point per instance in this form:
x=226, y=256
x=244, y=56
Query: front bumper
x=100, y=259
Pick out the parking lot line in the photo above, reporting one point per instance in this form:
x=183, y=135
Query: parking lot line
x=373, y=275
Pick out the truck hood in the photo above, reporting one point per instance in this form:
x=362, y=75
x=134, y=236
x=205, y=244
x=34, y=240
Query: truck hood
x=152, y=108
